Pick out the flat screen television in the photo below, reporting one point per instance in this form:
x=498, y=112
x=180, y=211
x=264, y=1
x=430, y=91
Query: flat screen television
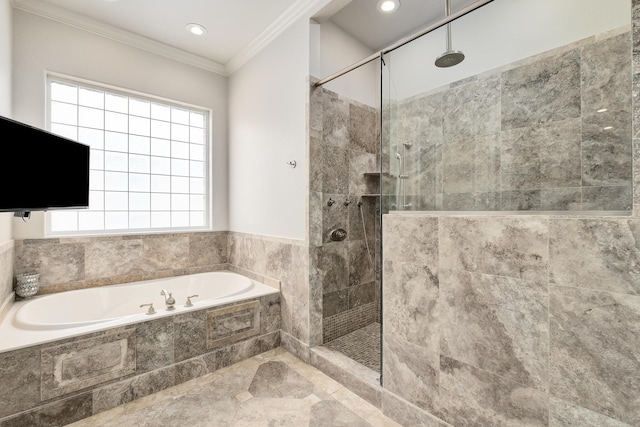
x=40, y=171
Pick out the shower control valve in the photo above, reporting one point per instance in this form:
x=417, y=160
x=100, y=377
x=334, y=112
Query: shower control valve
x=338, y=235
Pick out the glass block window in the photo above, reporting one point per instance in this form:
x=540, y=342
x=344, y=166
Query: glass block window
x=149, y=160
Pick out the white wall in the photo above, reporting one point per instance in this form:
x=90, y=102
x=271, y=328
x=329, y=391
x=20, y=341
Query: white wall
x=42, y=45
x=338, y=50
x=500, y=33
x=5, y=93
x=267, y=128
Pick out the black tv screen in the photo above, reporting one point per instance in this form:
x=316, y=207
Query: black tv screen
x=41, y=171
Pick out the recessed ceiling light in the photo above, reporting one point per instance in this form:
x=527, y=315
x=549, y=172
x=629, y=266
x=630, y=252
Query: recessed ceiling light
x=388, y=6
x=196, y=29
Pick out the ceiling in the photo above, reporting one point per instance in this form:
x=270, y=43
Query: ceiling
x=235, y=29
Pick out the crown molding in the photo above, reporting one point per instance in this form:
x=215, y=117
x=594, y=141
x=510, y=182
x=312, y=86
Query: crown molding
x=296, y=11
x=82, y=22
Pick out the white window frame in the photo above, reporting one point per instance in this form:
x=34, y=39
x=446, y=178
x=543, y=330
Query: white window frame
x=129, y=229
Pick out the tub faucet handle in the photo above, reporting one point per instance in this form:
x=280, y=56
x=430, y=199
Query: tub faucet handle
x=151, y=310
x=189, y=303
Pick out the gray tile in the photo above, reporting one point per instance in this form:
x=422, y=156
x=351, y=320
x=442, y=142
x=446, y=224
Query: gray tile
x=154, y=344
x=190, y=333
x=333, y=266
x=363, y=129
x=277, y=379
x=540, y=92
x=360, y=268
x=497, y=324
x=335, y=302
x=56, y=263
x=335, y=124
x=458, y=202
x=594, y=361
x=564, y=199
x=407, y=414
x=562, y=413
x=599, y=254
x=335, y=170
x=473, y=109
x=207, y=248
x=521, y=158
x=410, y=371
x=505, y=246
x=422, y=248
x=20, y=373
x=458, y=158
x=333, y=413
x=473, y=397
x=521, y=200
x=617, y=198
x=606, y=78
x=488, y=163
x=58, y=413
x=411, y=304
x=364, y=293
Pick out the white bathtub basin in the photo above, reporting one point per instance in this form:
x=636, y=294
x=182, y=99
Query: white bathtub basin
x=108, y=303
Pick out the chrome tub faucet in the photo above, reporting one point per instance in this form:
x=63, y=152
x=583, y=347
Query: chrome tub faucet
x=168, y=299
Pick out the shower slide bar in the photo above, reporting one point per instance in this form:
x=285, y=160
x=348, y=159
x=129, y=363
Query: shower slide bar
x=404, y=41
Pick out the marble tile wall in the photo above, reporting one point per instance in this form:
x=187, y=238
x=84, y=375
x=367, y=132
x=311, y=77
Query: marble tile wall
x=513, y=320
x=344, y=182
x=287, y=261
x=521, y=319
x=64, y=381
x=83, y=262
x=531, y=135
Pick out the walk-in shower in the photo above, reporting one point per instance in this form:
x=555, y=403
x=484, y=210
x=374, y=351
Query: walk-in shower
x=485, y=170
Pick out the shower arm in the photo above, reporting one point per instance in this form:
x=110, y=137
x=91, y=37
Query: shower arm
x=447, y=12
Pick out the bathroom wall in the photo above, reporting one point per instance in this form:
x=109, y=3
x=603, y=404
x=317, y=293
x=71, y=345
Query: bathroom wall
x=515, y=319
x=530, y=135
x=344, y=147
x=267, y=130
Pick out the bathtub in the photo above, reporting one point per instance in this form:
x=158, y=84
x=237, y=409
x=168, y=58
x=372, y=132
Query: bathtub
x=51, y=317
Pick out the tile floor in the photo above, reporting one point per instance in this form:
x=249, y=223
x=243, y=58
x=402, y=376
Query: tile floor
x=361, y=345
x=272, y=389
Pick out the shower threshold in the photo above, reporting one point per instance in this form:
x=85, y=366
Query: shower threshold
x=361, y=345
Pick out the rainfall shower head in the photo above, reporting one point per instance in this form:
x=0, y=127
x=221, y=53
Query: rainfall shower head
x=450, y=57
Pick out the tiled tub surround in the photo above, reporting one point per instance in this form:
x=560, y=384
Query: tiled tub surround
x=51, y=317
x=85, y=262
x=344, y=148
x=531, y=135
x=288, y=261
x=512, y=320
x=59, y=382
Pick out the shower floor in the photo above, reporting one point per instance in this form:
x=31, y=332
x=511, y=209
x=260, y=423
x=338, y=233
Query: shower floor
x=361, y=345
